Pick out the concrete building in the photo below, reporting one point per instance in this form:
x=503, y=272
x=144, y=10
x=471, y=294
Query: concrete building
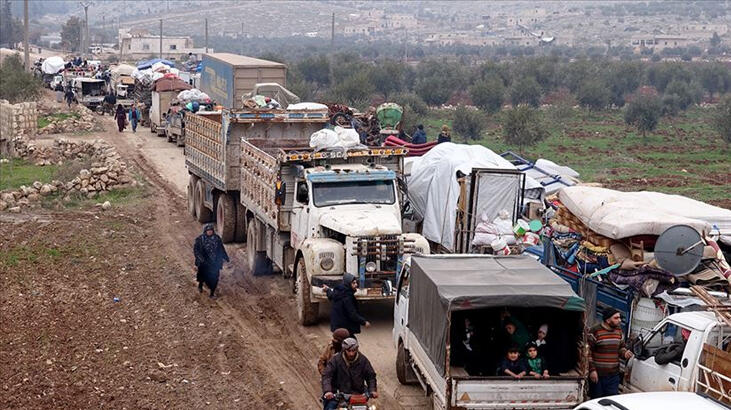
x=140, y=44
x=659, y=43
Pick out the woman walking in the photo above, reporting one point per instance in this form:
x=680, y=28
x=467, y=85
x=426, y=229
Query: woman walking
x=209, y=256
x=121, y=117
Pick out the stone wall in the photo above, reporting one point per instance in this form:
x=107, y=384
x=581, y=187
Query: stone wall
x=16, y=120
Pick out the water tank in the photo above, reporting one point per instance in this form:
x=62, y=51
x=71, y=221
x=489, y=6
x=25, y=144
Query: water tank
x=645, y=316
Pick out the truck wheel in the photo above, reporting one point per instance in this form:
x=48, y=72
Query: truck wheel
x=203, y=214
x=241, y=225
x=306, y=310
x=251, y=245
x=404, y=372
x=180, y=140
x=191, y=195
x=225, y=217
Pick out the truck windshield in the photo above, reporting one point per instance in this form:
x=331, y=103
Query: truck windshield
x=353, y=192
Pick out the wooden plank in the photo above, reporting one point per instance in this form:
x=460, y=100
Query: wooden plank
x=719, y=362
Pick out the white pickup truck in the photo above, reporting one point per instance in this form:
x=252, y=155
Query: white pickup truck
x=703, y=366
x=436, y=293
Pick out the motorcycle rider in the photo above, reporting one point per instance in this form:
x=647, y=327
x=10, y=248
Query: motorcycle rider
x=348, y=372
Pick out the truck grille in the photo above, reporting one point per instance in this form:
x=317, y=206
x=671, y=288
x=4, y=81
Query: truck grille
x=384, y=250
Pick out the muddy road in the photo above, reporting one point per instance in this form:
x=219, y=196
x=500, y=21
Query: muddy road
x=260, y=311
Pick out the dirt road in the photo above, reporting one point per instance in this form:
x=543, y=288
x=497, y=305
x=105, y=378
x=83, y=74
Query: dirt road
x=258, y=311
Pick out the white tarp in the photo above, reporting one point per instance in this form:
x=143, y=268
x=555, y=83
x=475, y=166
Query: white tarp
x=616, y=214
x=338, y=138
x=122, y=69
x=52, y=65
x=434, y=190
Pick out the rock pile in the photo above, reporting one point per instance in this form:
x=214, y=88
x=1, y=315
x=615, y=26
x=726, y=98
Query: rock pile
x=107, y=172
x=86, y=121
x=62, y=149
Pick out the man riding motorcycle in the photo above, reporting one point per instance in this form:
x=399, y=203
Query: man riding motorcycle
x=348, y=372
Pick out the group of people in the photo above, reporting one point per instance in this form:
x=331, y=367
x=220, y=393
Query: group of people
x=122, y=116
x=419, y=136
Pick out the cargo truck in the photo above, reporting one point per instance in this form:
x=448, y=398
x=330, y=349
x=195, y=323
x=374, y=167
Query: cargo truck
x=441, y=297
x=226, y=78
x=311, y=215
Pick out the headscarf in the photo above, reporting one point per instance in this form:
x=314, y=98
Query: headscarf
x=210, y=243
x=340, y=334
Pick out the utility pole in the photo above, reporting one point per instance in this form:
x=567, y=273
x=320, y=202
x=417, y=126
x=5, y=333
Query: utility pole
x=160, y=39
x=206, y=35
x=406, y=46
x=26, y=44
x=242, y=38
x=85, y=44
x=332, y=32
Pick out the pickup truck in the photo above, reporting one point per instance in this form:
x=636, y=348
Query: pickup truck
x=436, y=293
x=311, y=215
x=704, y=365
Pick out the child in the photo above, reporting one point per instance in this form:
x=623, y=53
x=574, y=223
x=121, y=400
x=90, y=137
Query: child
x=512, y=365
x=536, y=365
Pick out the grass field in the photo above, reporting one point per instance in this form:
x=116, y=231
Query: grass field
x=19, y=172
x=684, y=155
x=46, y=119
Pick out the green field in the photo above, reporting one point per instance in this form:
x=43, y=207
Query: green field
x=19, y=172
x=684, y=155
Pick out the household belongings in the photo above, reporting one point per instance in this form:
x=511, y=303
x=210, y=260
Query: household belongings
x=191, y=95
x=170, y=83
x=307, y=106
x=552, y=176
x=338, y=137
x=280, y=95
x=415, y=150
x=611, y=236
x=434, y=189
x=261, y=102
x=52, y=65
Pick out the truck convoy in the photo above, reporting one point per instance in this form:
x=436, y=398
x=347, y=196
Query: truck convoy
x=313, y=215
x=441, y=297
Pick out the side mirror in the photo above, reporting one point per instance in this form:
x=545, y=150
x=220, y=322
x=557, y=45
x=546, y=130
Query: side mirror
x=280, y=192
x=637, y=347
x=303, y=193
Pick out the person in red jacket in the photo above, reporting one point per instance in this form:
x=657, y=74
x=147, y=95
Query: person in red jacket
x=606, y=348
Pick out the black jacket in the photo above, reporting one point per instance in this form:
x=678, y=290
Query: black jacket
x=353, y=379
x=344, y=312
x=669, y=353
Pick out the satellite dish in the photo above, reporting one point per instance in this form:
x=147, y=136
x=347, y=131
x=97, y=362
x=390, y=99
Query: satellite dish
x=679, y=249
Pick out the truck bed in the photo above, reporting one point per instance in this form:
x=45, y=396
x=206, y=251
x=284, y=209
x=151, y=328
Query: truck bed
x=502, y=393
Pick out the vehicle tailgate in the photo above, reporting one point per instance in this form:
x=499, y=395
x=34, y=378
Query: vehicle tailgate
x=516, y=394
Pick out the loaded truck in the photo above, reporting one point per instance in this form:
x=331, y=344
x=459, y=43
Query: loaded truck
x=311, y=215
x=448, y=329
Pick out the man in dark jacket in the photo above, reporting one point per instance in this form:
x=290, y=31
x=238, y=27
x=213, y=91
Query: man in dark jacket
x=209, y=256
x=348, y=372
x=419, y=136
x=344, y=312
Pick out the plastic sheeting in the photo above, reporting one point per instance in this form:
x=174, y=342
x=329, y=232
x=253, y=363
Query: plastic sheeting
x=193, y=95
x=338, y=138
x=142, y=65
x=617, y=215
x=434, y=190
x=52, y=65
x=122, y=69
x=307, y=106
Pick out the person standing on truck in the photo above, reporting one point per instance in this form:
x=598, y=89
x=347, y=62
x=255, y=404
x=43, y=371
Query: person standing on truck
x=419, y=136
x=606, y=348
x=516, y=331
x=134, y=116
x=209, y=256
x=332, y=348
x=348, y=372
x=345, y=312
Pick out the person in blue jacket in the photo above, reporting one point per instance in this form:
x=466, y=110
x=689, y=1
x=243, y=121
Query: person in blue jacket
x=134, y=116
x=419, y=136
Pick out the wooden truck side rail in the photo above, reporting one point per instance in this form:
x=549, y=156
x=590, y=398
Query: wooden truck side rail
x=205, y=151
x=259, y=174
x=713, y=374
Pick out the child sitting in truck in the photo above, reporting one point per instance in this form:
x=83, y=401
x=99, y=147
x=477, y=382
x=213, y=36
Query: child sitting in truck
x=536, y=364
x=512, y=365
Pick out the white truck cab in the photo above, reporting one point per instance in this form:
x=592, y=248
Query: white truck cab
x=700, y=332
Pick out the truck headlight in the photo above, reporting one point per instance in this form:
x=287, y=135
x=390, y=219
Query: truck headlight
x=370, y=267
x=327, y=263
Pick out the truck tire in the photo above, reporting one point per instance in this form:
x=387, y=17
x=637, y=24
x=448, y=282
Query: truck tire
x=203, y=214
x=306, y=310
x=241, y=225
x=404, y=372
x=251, y=242
x=191, y=195
x=225, y=217
x=180, y=140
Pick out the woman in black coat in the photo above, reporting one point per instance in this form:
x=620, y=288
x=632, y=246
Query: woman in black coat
x=209, y=256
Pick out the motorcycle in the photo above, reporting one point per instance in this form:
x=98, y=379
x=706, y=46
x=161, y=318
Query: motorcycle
x=354, y=401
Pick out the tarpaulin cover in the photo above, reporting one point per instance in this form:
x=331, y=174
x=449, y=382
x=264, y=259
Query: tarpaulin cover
x=122, y=69
x=617, y=215
x=442, y=284
x=52, y=65
x=170, y=84
x=148, y=63
x=434, y=190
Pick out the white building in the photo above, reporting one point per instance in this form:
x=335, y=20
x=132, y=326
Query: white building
x=139, y=44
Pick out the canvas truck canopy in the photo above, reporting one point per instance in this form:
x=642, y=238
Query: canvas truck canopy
x=618, y=215
x=441, y=284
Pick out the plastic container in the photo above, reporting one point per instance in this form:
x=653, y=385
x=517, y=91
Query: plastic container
x=645, y=316
x=531, y=239
x=521, y=228
x=500, y=247
x=535, y=225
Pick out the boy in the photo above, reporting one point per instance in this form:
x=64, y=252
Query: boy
x=512, y=365
x=536, y=365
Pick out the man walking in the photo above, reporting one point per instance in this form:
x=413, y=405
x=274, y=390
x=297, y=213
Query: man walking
x=344, y=312
x=606, y=348
x=348, y=372
x=69, y=96
x=134, y=116
x=209, y=256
